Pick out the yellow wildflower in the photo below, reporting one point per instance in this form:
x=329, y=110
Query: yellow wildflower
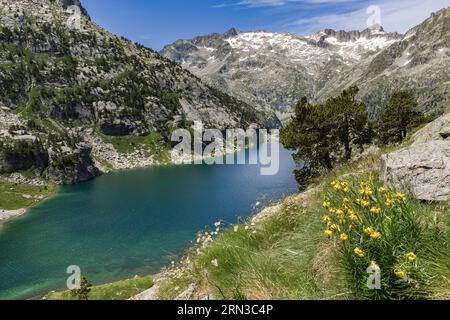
x=401, y=196
x=367, y=192
x=327, y=204
x=328, y=233
x=332, y=210
x=326, y=219
x=369, y=231
x=337, y=187
x=375, y=235
x=345, y=187
x=340, y=213
x=389, y=202
x=382, y=190
x=346, y=201
x=333, y=183
x=359, y=252
x=343, y=237
x=411, y=257
x=400, y=273
x=375, y=211
x=365, y=203
x=353, y=217
x=333, y=227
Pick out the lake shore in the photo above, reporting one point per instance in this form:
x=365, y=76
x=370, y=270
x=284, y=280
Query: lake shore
x=6, y=215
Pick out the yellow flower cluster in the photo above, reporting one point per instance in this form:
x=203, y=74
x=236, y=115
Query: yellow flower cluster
x=357, y=216
x=400, y=273
x=392, y=199
x=411, y=257
x=366, y=191
x=372, y=233
x=340, y=186
x=359, y=253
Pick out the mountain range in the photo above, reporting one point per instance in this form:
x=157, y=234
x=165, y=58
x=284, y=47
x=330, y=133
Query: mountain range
x=274, y=70
x=77, y=99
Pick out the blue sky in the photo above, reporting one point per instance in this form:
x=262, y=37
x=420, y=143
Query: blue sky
x=156, y=23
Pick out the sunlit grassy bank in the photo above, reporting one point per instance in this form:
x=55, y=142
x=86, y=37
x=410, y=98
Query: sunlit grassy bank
x=121, y=290
x=15, y=196
x=320, y=245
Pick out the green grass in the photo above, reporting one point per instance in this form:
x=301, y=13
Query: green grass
x=105, y=164
x=150, y=144
x=374, y=226
x=121, y=290
x=284, y=259
x=16, y=196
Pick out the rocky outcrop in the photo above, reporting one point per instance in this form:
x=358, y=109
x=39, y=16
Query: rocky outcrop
x=68, y=3
x=70, y=166
x=436, y=130
x=423, y=169
x=22, y=153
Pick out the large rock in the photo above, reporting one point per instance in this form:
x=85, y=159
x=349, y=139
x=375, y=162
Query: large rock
x=423, y=169
x=436, y=130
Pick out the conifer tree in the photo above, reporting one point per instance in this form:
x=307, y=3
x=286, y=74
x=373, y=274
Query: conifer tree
x=350, y=119
x=399, y=116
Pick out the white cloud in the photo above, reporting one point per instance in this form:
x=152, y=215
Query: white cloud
x=399, y=16
x=277, y=3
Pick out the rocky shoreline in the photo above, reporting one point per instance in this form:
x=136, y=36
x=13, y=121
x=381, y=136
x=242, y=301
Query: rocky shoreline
x=6, y=215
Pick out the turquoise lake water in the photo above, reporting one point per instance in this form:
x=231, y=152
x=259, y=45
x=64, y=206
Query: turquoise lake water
x=128, y=223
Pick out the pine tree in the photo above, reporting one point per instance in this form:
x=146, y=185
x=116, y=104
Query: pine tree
x=309, y=135
x=350, y=119
x=319, y=133
x=83, y=292
x=399, y=116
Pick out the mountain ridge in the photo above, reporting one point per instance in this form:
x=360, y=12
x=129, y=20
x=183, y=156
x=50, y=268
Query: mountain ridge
x=276, y=69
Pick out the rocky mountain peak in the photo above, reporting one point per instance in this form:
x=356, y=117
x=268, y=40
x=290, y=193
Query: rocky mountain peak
x=68, y=3
x=276, y=69
x=231, y=33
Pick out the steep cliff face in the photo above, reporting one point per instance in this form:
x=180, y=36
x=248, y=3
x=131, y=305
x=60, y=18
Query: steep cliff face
x=68, y=3
x=276, y=69
x=69, y=82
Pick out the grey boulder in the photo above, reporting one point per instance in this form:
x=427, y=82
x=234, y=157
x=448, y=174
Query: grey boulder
x=423, y=169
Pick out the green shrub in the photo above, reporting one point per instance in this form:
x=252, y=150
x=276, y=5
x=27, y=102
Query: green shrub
x=380, y=229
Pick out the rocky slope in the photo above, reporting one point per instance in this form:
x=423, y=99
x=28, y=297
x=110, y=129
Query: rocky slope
x=70, y=91
x=275, y=69
x=419, y=62
x=424, y=167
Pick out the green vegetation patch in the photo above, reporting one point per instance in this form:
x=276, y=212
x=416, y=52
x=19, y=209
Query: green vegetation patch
x=121, y=290
x=151, y=144
x=16, y=196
